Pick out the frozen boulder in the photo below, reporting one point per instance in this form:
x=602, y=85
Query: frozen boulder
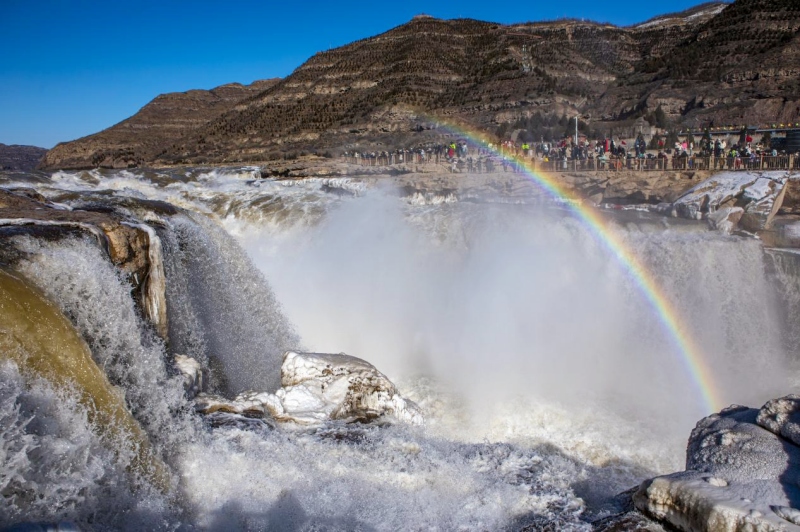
x=762, y=201
x=739, y=477
x=758, y=194
x=782, y=417
x=725, y=219
x=317, y=387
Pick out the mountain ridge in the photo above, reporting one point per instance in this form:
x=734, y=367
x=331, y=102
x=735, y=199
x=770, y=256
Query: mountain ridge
x=382, y=91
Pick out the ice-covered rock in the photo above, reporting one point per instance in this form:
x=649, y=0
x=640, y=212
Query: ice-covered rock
x=782, y=417
x=758, y=194
x=725, y=219
x=194, y=375
x=317, y=387
x=739, y=477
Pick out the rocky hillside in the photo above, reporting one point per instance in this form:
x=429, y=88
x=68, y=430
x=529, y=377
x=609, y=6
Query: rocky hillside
x=740, y=67
x=139, y=139
x=716, y=62
x=16, y=157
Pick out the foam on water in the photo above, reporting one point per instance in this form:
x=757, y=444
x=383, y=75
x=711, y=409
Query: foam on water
x=546, y=382
x=55, y=467
x=89, y=290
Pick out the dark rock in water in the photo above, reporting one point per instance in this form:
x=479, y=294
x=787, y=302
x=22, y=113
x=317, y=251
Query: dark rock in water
x=346, y=433
x=628, y=518
x=63, y=526
x=632, y=521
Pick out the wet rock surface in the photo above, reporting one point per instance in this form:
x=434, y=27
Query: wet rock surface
x=132, y=246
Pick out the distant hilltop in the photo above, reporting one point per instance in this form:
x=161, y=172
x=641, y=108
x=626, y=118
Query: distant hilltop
x=713, y=64
x=17, y=157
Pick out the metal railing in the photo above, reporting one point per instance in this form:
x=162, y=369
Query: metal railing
x=595, y=164
x=600, y=164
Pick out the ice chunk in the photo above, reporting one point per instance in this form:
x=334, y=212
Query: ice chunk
x=758, y=194
x=318, y=386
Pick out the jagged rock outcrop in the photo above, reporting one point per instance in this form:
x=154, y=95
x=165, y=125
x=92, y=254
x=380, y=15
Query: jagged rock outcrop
x=725, y=219
x=728, y=200
x=742, y=473
x=738, y=68
x=631, y=187
x=728, y=64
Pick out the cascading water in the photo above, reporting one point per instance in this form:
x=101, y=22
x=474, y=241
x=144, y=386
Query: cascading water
x=784, y=268
x=548, y=382
x=221, y=308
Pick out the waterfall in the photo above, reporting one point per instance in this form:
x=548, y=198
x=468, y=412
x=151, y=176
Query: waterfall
x=784, y=269
x=513, y=298
x=548, y=380
x=221, y=308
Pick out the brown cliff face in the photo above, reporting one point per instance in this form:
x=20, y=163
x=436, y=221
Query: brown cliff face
x=741, y=67
x=384, y=90
x=727, y=63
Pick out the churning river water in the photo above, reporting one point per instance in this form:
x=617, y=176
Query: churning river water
x=548, y=381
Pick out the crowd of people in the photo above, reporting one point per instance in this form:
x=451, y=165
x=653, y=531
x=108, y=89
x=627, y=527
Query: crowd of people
x=459, y=155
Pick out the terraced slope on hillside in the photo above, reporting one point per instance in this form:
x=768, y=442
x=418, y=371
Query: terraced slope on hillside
x=724, y=63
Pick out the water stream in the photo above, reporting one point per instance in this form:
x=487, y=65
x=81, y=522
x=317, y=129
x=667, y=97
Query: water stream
x=548, y=382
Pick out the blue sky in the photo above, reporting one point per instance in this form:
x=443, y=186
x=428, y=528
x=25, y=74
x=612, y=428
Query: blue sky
x=70, y=68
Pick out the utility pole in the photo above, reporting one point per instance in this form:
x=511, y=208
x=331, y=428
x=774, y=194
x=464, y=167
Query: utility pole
x=576, y=130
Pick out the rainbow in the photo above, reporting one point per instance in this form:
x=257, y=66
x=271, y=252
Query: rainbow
x=690, y=354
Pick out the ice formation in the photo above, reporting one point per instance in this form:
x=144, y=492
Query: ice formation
x=320, y=386
x=759, y=195
x=317, y=388
x=739, y=476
